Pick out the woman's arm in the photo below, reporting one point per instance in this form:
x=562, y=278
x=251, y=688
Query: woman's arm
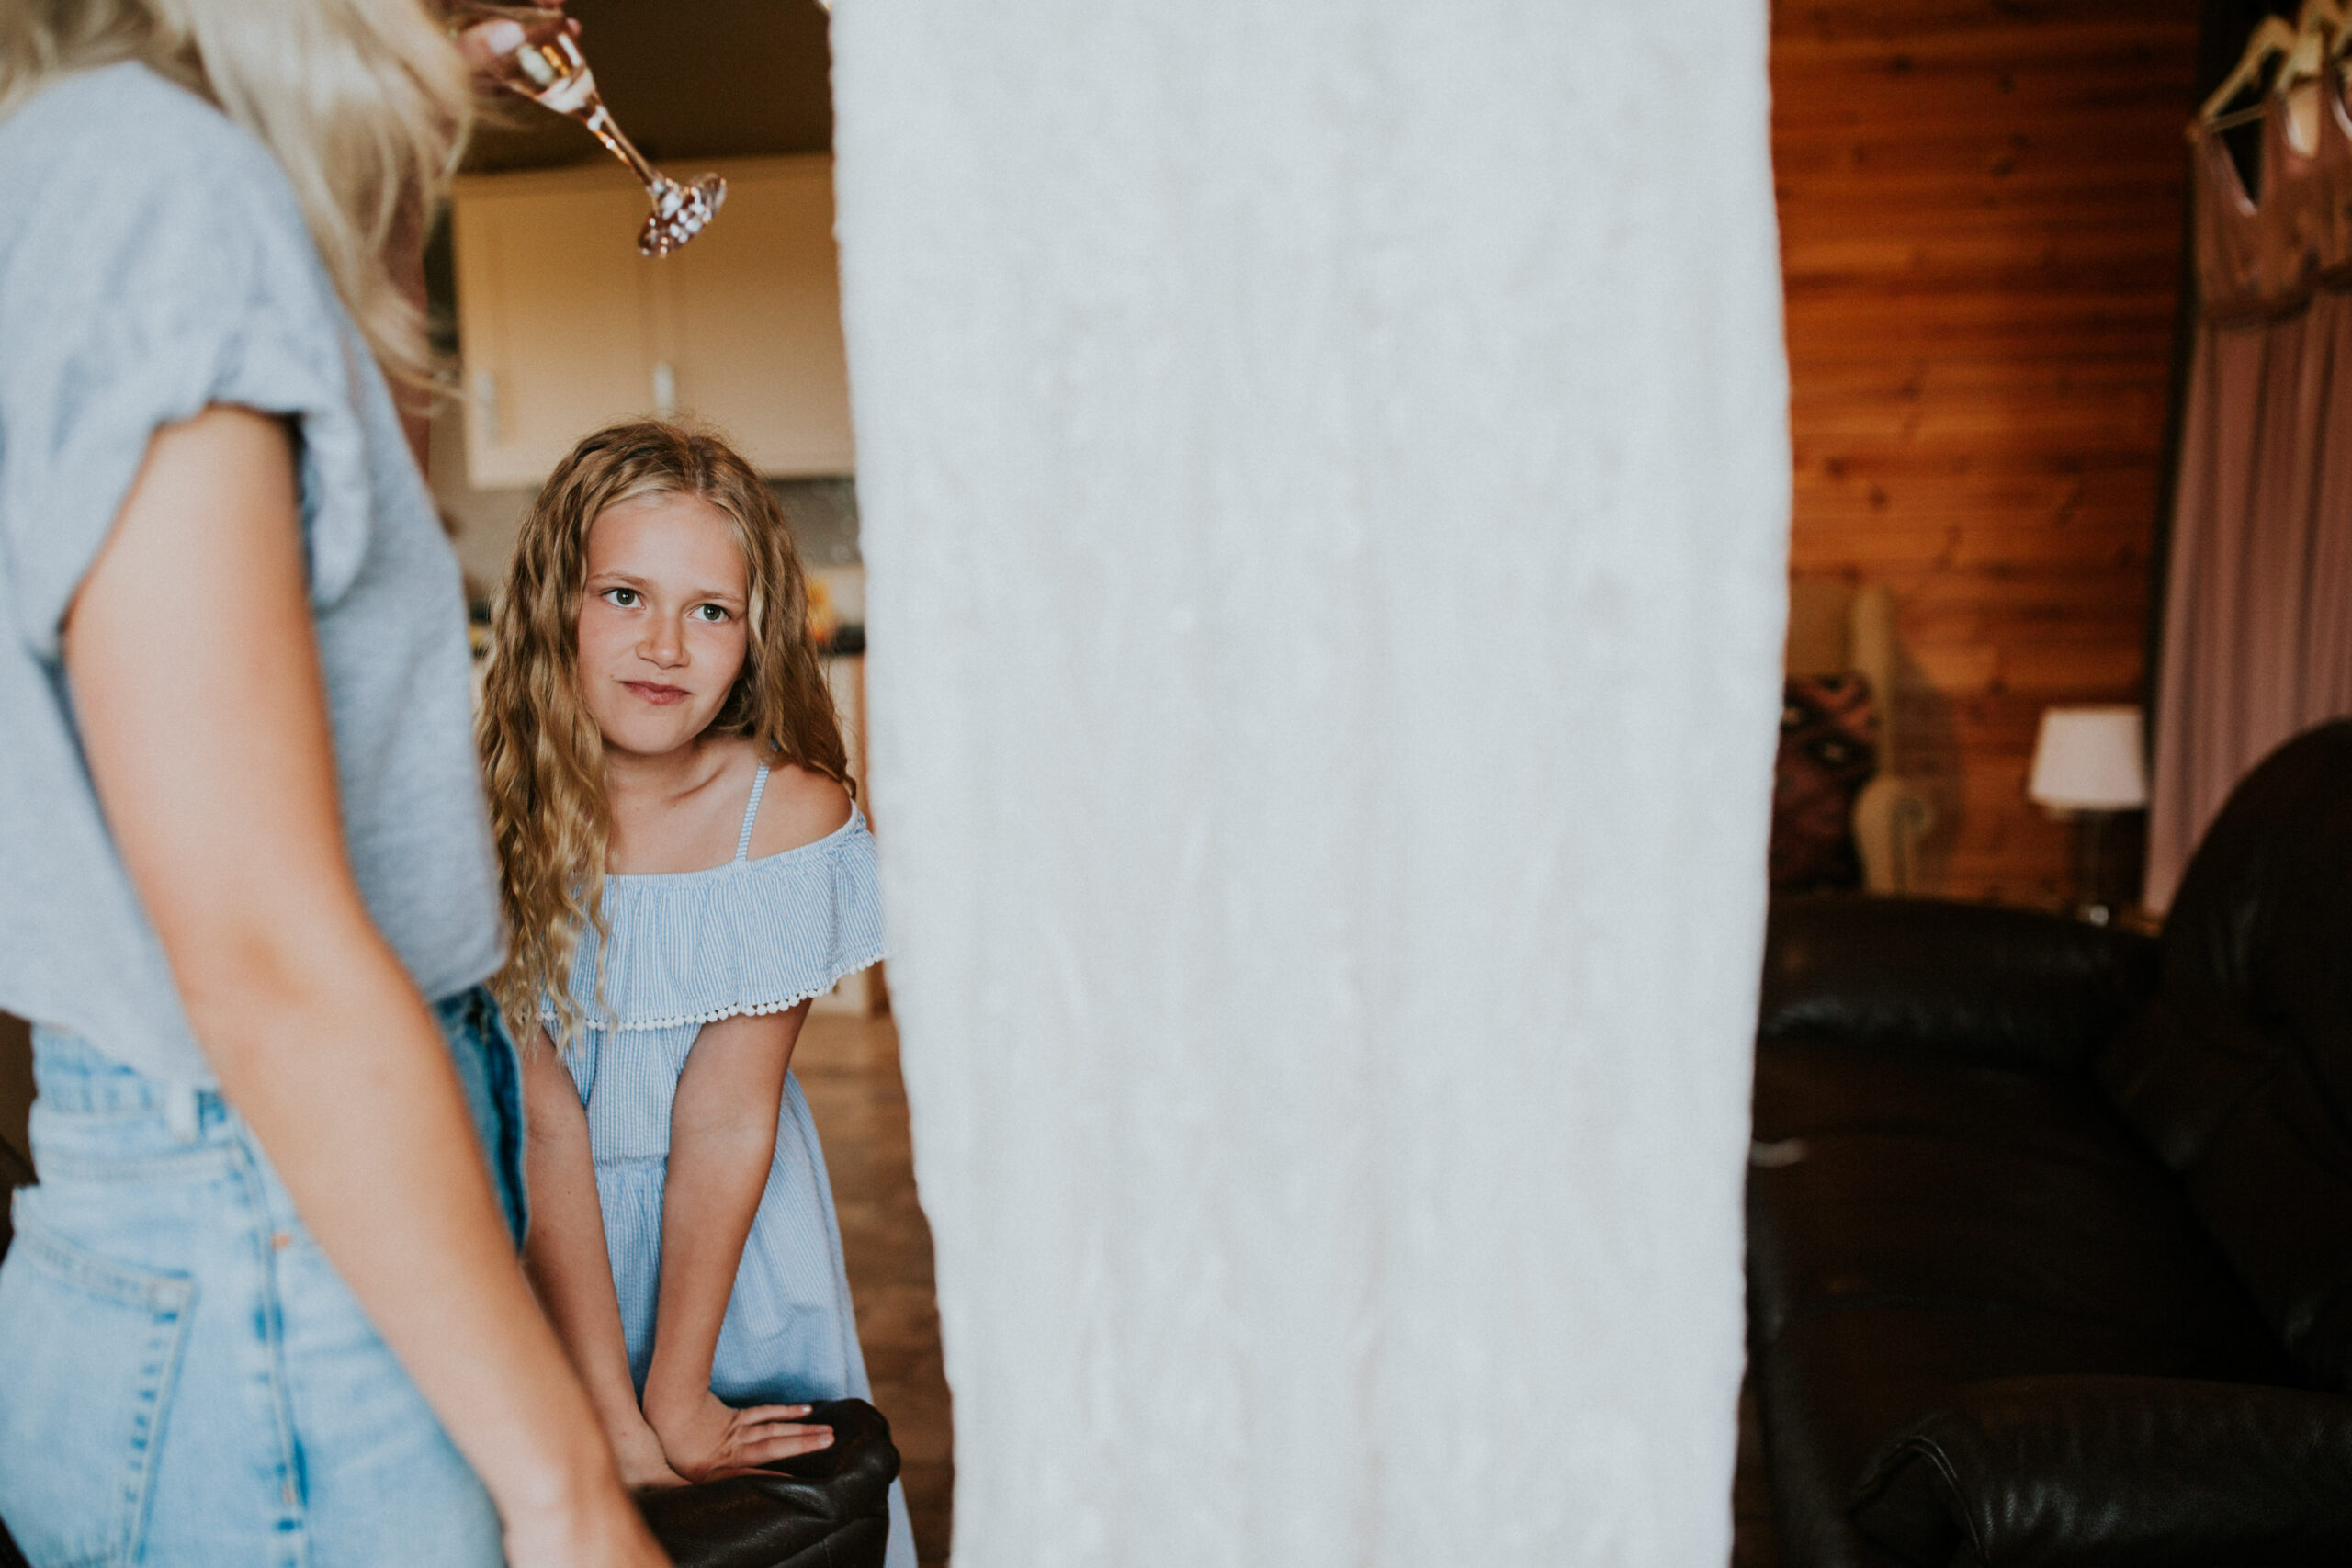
x=722, y=1140
x=571, y=1270
x=196, y=681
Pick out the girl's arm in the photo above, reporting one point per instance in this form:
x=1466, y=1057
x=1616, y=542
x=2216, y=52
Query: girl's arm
x=570, y=1269
x=196, y=682
x=722, y=1140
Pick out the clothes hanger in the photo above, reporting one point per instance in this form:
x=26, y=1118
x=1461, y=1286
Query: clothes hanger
x=2317, y=26
x=2319, y=38
x=2312, y=43
x=2274, y=38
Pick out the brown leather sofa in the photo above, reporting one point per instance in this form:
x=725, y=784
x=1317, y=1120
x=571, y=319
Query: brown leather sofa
x=2049, y=1226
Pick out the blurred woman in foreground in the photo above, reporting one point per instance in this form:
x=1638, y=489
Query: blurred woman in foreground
x=264, y=1306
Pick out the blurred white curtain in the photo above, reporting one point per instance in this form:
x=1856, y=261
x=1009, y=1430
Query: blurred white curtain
x=1325, y=483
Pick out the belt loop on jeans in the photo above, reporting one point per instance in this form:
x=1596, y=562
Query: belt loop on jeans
x=182, y=1113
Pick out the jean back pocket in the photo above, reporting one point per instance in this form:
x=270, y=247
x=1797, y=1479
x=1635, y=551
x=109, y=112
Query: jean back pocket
x=89, y=1354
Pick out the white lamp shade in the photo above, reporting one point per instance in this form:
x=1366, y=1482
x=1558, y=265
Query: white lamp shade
x=2090, y=759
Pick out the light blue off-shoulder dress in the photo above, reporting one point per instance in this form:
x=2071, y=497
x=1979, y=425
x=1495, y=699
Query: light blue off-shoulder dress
x=750, y=937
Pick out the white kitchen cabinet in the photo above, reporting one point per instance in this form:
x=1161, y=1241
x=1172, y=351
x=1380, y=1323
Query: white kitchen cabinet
x=563, y=327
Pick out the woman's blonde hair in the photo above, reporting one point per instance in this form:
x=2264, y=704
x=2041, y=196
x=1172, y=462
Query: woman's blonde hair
x=543, y=757
x=365, y=103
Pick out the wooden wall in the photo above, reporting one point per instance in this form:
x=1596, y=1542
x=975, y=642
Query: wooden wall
x=1981, y=225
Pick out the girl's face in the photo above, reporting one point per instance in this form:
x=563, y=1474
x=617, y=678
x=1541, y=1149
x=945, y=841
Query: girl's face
x=662, y=624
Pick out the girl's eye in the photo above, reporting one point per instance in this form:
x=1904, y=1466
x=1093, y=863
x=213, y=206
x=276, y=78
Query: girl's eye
x=624, y=598
x=711, y=612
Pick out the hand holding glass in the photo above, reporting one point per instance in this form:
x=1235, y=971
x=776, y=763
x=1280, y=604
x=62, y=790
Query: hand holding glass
x=547, y=67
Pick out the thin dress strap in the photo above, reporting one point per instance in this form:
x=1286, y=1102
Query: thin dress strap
x=751, y=812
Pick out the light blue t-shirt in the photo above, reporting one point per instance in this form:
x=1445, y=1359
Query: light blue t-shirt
x=152, y=261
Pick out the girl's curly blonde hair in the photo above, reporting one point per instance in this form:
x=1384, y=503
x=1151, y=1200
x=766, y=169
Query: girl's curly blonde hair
x=543, y=757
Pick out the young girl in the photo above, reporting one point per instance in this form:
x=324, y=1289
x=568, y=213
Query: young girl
x=684, y=870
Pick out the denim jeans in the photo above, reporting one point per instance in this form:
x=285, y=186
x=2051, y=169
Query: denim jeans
x=184, y=1377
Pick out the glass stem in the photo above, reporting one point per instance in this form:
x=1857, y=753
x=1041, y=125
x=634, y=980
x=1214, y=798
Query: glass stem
x=599, y=121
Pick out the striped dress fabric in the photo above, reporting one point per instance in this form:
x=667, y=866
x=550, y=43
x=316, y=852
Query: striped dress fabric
x=750, y=937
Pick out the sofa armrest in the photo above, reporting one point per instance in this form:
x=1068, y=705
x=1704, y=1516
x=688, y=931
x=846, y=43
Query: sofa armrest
x=830, y=1507
x=1972, y=980
x=2040, y=1472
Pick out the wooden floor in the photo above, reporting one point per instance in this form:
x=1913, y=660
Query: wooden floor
x=848, y=1066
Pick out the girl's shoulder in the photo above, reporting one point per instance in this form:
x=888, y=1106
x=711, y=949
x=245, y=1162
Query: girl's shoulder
x=758, y=935
x=799, y=807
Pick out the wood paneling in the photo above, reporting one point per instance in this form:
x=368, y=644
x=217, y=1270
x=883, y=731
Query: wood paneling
x=1980, y=220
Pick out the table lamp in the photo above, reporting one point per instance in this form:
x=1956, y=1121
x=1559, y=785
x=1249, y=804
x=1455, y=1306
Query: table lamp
x=2088, y=765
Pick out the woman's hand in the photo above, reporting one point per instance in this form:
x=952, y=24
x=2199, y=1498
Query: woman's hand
x=706, y=1440
x=488, y=41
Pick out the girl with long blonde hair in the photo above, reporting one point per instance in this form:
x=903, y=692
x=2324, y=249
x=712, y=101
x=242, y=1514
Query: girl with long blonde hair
x=684, y=869
x=263, y=1305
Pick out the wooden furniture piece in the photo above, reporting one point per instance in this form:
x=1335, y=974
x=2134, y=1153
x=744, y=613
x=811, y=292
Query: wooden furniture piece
x=563, y=327
x=1835, y=626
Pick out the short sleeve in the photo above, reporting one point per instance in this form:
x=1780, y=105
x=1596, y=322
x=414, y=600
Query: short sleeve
x=158, y=263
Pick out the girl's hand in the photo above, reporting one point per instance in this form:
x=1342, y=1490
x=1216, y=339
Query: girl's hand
x=706, y=1440
x=637, y=1454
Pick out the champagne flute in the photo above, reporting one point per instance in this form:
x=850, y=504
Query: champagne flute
x=547, y=68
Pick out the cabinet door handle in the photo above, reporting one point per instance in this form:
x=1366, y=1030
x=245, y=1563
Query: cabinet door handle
x=493, y=427
x=665, y=389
